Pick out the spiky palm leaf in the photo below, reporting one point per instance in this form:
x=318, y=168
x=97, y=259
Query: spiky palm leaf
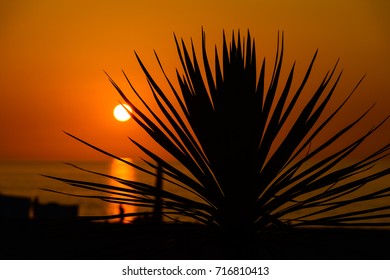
x=226, y=130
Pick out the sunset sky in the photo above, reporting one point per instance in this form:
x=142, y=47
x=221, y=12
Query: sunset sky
x=54, y=53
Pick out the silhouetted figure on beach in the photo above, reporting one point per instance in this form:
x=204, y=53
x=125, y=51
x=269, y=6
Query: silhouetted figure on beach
x=121, y=213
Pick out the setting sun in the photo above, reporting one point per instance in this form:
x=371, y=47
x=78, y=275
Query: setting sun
x=121, y=114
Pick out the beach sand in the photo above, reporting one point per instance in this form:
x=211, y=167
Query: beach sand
x=44, y=240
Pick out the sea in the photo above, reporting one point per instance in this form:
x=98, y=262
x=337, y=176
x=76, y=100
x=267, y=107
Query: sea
x=25, y=179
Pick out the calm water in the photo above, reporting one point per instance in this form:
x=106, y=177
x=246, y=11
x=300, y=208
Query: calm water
x=21, y=178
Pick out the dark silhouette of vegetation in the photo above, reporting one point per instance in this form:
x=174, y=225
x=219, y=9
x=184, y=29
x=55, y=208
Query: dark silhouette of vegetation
x=249, y=152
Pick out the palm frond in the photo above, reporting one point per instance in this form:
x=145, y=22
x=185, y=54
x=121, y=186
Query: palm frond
x=224, y=126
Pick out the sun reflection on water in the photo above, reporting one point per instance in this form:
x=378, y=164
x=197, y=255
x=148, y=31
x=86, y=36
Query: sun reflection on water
x=121, y=170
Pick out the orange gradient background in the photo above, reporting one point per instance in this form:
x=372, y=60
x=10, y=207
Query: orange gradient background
x=54, y=53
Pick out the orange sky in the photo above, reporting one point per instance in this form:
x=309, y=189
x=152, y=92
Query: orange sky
x=53, y=54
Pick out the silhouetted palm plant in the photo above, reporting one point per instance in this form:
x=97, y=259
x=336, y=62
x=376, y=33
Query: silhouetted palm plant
x=249, y=168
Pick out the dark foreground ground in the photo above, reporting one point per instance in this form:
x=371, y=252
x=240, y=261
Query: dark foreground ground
x=78, y=241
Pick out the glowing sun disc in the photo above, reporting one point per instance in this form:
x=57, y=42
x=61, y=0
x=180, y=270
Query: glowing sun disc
x=120, y=112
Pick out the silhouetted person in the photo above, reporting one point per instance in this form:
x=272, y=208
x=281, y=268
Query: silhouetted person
x=121, y=213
